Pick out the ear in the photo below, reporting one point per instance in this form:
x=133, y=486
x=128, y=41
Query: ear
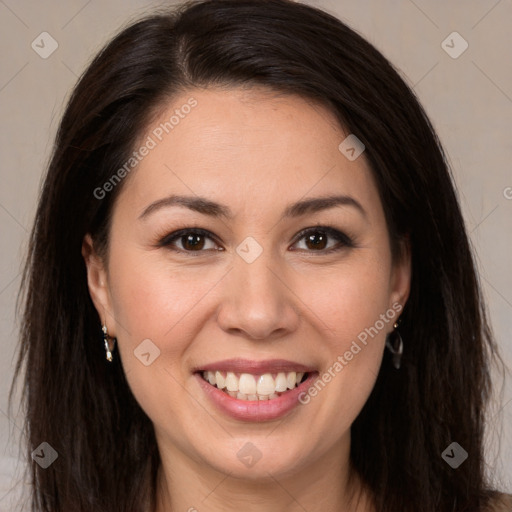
x=401, y=275
x=97, y=280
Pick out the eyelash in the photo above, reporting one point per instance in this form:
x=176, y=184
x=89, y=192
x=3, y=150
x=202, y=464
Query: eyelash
x=344, y=241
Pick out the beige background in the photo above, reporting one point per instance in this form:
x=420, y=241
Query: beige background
x=469, y=100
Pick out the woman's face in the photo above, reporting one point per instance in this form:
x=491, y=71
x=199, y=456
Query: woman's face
x=279, y=282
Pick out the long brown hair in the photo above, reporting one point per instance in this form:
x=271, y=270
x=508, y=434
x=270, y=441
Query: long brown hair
x=83, y=407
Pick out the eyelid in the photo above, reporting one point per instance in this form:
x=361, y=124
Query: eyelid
x=342, y=238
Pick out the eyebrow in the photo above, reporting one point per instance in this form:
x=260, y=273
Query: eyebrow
x=212, y=209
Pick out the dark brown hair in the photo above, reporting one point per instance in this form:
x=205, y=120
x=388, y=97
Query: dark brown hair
x=83, y=407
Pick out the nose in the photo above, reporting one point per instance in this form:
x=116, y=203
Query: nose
x=258, y=302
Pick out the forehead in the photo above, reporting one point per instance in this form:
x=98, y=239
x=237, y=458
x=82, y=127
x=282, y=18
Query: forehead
x=247, y=148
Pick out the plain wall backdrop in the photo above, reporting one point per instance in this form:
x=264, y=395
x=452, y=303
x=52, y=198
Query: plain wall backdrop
x=467, y=93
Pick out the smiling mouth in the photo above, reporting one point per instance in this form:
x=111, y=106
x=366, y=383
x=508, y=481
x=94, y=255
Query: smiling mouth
x=251, y=387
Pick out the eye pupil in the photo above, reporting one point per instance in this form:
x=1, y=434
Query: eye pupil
x=321, y=240
x=192, y=242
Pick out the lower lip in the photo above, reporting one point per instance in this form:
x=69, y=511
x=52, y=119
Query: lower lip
x=255, y=411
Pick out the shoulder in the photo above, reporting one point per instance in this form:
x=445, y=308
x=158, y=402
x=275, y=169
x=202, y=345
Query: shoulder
x=501, y=503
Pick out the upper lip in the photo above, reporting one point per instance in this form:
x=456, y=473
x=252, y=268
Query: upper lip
x=255, y=367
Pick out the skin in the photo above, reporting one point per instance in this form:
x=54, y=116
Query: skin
x=255, y=152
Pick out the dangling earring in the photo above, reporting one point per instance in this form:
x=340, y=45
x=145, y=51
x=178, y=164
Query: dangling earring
x=106, y=340
x=395, y=345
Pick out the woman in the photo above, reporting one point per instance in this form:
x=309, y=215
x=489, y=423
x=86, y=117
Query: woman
x=249, y=284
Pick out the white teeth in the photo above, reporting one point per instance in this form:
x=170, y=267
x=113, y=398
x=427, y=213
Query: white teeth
x=291, y=379
x=281, y=382
x=266, y=385
x=220, y=380
x=246, y=386
x=231, y=382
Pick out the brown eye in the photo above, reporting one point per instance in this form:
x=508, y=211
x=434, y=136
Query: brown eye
x=317, y=239
x=192, y=241
x=189, y=240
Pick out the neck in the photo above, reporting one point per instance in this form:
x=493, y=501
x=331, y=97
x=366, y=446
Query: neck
x=326, y=484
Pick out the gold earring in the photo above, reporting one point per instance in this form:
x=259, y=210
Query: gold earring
x=107, y=340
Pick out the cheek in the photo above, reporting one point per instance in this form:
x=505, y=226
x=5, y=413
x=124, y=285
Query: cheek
x=353, y=304
x=153, y=308
x=351, y=297
x=165, y=303
x=359, y=318
x=146, y=305
x=150, y=297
